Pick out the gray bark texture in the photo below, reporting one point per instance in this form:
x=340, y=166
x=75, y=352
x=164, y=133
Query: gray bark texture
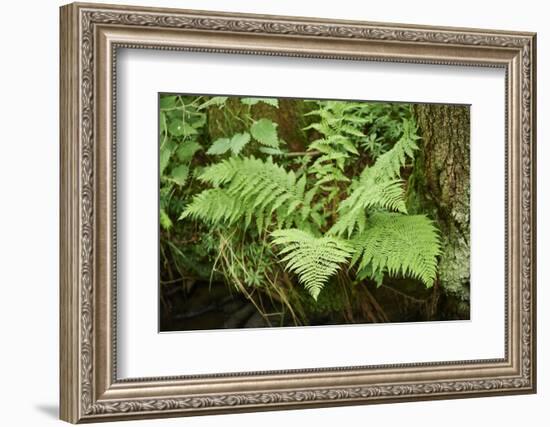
x=440, y=187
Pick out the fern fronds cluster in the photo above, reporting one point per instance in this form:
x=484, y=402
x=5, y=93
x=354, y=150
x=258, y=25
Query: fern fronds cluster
x=313, y=259
x=399, y=245
x=391, y=243
x=324, y=210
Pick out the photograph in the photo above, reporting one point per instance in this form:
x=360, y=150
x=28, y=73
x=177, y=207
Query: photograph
x=285, y=212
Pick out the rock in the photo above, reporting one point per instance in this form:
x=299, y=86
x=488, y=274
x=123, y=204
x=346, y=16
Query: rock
x=240, y=317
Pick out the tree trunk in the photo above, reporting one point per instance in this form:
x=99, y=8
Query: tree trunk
x=440, y=187
x=289, y=118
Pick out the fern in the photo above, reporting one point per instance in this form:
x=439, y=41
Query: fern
x=399, y=245
x=213, y=206
x=313, y=259
x=299, y=197
x=388, y=165
x=246, y=188
x=370, y=194
x=379, y=185
x=341, y=131
x=222, y=172
x=341, y=119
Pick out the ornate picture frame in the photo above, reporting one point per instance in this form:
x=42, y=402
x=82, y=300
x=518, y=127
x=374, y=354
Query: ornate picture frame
x=90, y=37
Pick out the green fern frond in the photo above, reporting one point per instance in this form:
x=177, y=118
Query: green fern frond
x=379, y=185
x=222, y=172
x=400, y=245
x=313, y=259
x=213, y=206
x=246, y=188
x=370, y=194
x=388, y=165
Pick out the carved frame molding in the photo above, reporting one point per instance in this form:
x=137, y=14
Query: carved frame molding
x=90, y=37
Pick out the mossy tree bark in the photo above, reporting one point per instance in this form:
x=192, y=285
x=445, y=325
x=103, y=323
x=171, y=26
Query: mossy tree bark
x=440, y=187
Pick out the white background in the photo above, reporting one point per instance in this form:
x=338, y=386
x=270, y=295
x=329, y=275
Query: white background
x=29, y=171
x=143, y=352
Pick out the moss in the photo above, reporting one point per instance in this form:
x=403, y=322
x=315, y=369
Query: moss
x=330, y=300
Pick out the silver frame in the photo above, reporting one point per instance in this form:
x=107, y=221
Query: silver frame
x=90, y=37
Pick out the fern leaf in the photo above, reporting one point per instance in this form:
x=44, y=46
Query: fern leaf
x=213, y=206
x=388, y=165
x=400, y=245
x=245, y=188
x=221, y=173
x=368, y=194
x=379, y=185
x=313, y=259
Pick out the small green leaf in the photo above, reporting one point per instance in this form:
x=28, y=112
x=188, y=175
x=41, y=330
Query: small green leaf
x=165, y=220
x=274, y=102
x=180, y=128
x=167, y=101
x=235, y=144
x=265, y=132
x=187, y=150
x=179, y=174
x=220, y=146
x=238, y=142
x=199, y=120
x=165, y=153
x=176, y=127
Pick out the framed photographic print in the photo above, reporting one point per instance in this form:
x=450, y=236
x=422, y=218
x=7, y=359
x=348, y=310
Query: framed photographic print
x=266, y=212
